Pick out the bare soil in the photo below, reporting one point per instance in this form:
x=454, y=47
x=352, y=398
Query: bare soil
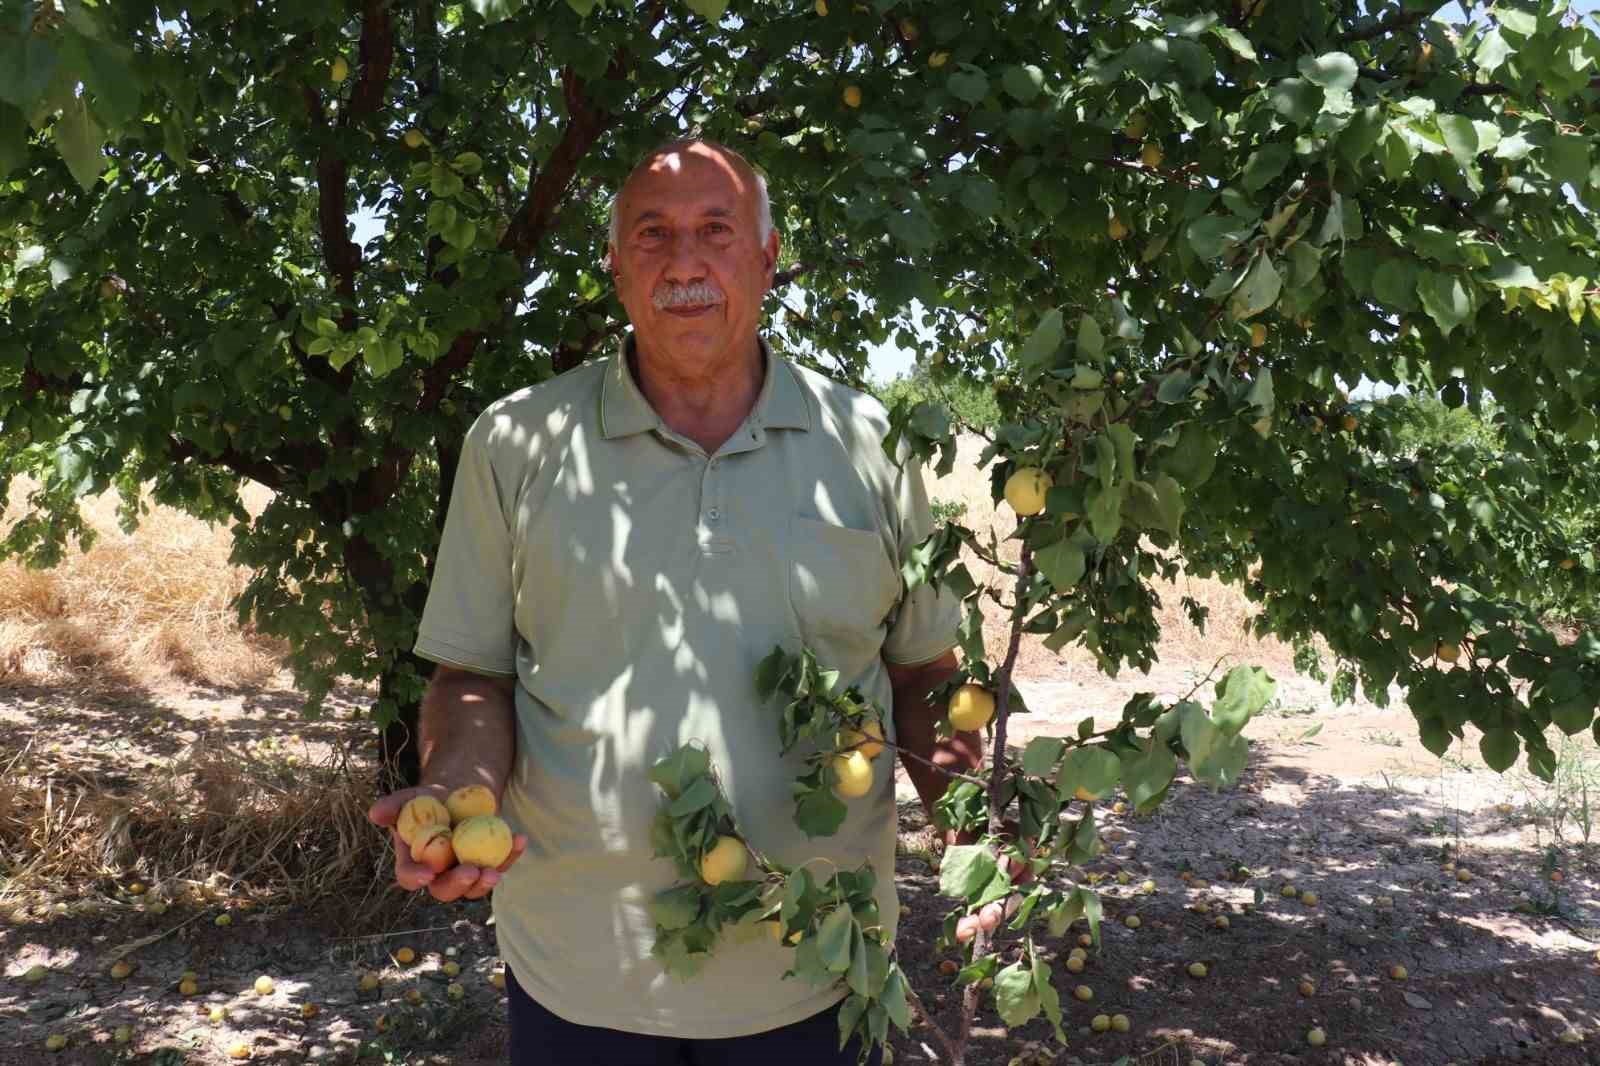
x=1341, y=802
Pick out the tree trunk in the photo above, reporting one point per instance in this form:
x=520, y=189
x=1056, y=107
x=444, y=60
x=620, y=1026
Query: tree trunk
x=399, y=754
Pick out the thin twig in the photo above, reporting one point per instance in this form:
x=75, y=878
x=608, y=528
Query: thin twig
x=927, y=1019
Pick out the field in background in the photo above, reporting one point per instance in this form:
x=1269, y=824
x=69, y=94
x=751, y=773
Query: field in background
x=145, y=610
x=150, y=610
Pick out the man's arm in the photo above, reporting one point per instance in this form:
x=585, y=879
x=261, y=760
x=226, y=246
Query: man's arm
x=915, y=716
x=468, y=736
x=468, y=729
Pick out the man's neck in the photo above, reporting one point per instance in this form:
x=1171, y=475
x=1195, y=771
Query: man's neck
x=705, y=402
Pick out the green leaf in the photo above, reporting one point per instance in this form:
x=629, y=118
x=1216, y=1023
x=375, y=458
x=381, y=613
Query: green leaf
x=1514, y=21
x=710, y=10
x=1240, y=696
x=833, y=939
x=818, y=812
x=1493, y=51
x=1062, y=564
x=894, y=998
x=1212, y=235
x=965, y=870
x=1039, y=350
x=1022, y=83
x=1296, y=100
x=1015, y=998
x=1445, y=299
x=1265, y=164
x=1147, y=773
x=1259, y=290
x=78, y=139
x=1460, y=137
x=1215, y=757
x=700, y=794
x=676, y=907
x=1332, y=70
x=1567, y=160
x=1041, y=754
x=498, y=10
x=1049, y=999
x=850, y=1012
x=1091, y=343
x=1395, y=284
x=969, y=84
x=1094, y=769
x=1499, y=749
x=13, y=139
x=1238, y=42
x=672, y=773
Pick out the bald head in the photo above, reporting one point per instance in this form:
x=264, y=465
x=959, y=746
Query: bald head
x=669, y=157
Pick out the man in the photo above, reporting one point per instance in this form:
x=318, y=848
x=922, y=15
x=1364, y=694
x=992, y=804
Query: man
x=624, y=544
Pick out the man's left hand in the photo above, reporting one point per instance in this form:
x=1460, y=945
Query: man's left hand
x=1017, y=871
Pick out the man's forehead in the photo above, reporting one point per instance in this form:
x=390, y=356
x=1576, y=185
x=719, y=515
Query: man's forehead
x=715, y=176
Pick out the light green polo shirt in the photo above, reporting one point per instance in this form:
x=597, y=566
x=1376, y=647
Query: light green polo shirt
x=631, y=584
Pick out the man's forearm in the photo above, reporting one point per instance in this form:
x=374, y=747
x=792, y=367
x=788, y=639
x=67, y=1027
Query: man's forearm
x=469, y=731
x=914, y=725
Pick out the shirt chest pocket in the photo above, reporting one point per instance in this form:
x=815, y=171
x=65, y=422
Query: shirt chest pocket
x=842, y=585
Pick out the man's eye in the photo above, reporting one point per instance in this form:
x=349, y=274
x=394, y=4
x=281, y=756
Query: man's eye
x=718, y=227
x=652, y=232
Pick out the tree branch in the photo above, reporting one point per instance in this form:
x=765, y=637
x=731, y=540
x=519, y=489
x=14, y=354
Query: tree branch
x=1381, y=28
x=377, y=56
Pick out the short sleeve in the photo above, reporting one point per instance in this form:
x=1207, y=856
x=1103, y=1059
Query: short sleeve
x=468, y=620
x=926, y=623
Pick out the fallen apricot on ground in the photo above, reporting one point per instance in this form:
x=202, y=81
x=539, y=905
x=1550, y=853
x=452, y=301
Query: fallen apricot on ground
x=1316, y=1038
x=451, y=969
x=1083, y=993
x=239, y=1050
x=405, y=956
x=1288, y=891
x=1308, y=898
x=224, y=920
x=369, y=982
x=309, y=1010
x=1197, y=969
x=470, y=801
x=122, y=1034
x=1463, y=876
x=1147, y=887
x=1074, y=965
x=1398, y=972
x=263, y=985
x=1221, y=921
x=454, y=990
x=498, y=979
x=1100, y=1023
x=1120, y=1023
x=188, y=987
x=1132, y=921
x=418, y=812
x=1308, y=989
x=413, y=996
x=121, y=969
x=217, y=1015
x=1085, y=940
x=55, y=1042
x=949, y=968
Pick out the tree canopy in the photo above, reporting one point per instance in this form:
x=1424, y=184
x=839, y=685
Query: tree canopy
x=1170, y=236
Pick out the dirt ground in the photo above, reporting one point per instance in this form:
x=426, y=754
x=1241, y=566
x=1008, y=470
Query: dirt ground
x=1339, y=802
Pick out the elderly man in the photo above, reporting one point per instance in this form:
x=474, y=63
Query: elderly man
x=624, y=544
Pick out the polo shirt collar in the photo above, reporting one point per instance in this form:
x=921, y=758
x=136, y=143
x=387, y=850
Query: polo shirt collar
x=624, y=410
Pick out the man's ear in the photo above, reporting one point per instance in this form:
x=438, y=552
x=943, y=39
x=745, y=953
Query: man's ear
x=770, y=254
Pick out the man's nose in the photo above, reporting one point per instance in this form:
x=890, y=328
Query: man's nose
x=685, y=263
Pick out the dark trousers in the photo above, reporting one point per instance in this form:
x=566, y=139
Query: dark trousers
x=539, y=1038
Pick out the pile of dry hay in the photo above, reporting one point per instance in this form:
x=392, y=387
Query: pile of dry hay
x=218, y=827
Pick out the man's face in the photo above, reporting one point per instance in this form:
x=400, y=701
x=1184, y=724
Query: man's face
x=691, y=269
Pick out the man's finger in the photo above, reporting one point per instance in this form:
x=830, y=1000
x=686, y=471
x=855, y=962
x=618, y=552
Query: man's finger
x=386, y=810
x=454, y=883
x=519, y=844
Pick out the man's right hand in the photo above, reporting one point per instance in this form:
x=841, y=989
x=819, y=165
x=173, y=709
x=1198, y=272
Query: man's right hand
x=461, y=881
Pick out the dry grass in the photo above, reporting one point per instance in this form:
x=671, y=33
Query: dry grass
x=217, y=827
x=147, y=609
x=1227, y=627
